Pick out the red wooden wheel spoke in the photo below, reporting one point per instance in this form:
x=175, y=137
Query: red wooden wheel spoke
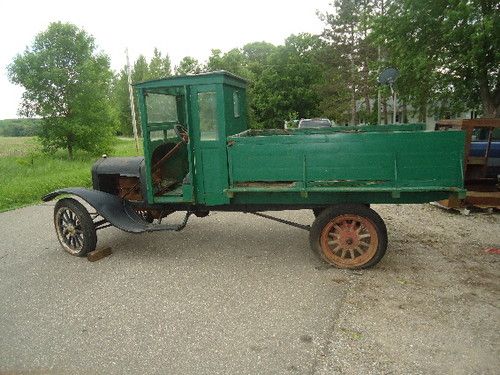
x=349, y=240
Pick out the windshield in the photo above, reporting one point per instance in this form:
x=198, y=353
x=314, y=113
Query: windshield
x=161, y=108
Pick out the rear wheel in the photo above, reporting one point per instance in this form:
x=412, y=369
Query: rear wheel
x=349, y=236
x=74, y=227
x=318, y=210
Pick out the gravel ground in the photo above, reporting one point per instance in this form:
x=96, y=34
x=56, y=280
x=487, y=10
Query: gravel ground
x=234, y=293
x=430, y=307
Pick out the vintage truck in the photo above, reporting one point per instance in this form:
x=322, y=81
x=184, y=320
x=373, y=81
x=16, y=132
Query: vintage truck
x=200, y=156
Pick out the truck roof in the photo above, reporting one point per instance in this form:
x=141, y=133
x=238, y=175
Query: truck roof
x=220, y=76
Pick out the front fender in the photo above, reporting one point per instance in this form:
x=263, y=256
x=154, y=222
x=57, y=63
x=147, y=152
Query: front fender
x=115, y=210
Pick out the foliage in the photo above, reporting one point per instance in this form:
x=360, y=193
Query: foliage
x=335, y=74
x=233, y=61
x=188, y=65
x=287, y=82
x=121, y=97
x=347, y=60
x=20, y=127
x=448, y=52
x=28, y=174
x=64, y=77
x=159, y=66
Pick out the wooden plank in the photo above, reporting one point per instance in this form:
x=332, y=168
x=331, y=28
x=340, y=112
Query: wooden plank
x=99, y=254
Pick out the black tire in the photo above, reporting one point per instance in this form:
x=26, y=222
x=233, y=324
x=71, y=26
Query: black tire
x=202, y=213
x=318, y=210
x=349, y=236
x=75, y=228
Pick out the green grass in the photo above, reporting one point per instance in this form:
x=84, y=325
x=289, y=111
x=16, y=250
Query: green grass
x=26, y=174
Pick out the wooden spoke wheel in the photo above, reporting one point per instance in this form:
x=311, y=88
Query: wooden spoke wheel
x=74, y=227
x=349, y=236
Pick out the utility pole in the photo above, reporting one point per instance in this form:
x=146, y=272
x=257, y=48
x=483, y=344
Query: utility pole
x=379, y=94
x=132, y=105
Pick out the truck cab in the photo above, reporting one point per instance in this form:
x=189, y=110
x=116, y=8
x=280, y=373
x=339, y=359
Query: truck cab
x=185, y=122
x=200, y=112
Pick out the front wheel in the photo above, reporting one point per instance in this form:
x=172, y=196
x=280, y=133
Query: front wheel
x=74, y=227
x=349, y=236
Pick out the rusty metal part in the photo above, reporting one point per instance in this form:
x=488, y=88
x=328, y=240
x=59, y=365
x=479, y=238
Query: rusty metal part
x=283, y=221
x=129, y=187
x=156, y=169
x=134, y=190
x=164, y=186
x=493, y=250
x=481, y=190
x=167, y=156
x=349, y=241
x=181, y=132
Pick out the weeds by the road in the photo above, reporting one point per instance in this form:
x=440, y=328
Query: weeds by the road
x=27, y=174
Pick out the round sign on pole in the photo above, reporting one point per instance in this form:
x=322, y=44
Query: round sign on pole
x=388, y=76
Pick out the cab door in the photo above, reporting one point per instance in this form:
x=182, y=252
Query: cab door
x=209, y=146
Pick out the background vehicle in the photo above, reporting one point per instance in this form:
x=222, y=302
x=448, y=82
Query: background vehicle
x=199, y=156
x=482, y=161
x=314, y=123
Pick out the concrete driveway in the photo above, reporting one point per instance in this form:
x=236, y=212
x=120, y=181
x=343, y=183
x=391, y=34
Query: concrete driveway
x=238, y=294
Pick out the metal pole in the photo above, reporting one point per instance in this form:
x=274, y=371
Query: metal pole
x=132, y=105
x=395, y=108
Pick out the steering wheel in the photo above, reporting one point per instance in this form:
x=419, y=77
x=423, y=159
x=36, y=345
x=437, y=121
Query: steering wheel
x=181, y=132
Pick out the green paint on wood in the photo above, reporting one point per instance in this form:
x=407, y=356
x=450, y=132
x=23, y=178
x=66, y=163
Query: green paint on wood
x=225, y=163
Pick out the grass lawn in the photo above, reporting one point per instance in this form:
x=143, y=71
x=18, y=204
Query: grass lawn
x=26, y=174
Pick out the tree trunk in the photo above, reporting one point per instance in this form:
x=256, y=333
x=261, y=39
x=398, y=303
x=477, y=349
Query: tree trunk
x=353, y=106
x=404, y=115
x=367, y=102
x=70, y=149
x=491, y=102
x=421, y=113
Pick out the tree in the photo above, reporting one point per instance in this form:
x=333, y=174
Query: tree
x=347, y=30
x=67, y=84
x=140, y=70
x=188, y=65
x=287, y=86
x=233, y=61
x=159, y=67
x=121, y=101
x=448, y=52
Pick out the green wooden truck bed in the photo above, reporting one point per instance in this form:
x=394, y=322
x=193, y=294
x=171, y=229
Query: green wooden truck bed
x=371, y=167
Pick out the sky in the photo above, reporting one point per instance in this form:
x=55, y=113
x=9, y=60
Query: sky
x=177, y=28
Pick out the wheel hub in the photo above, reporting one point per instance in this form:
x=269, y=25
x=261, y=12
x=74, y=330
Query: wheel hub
x=347, y=237
x=71, y=229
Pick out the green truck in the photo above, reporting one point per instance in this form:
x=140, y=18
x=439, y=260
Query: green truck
x=200, y=156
